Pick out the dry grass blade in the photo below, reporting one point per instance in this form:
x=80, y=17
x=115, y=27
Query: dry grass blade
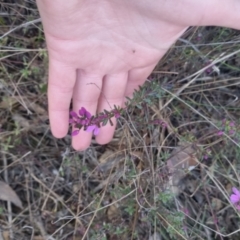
x=155, y=236
x=8, y=194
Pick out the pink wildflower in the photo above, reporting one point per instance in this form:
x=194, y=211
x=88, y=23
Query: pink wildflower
x=94, y=129
x=84, y=113
x=84, y=120
x=235, y=198
x=205, y=157
x=75, y=133
x=220, y=133
x=74, y=118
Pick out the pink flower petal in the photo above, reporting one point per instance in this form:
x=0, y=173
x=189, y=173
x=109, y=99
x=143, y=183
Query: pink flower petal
x=75, y=133
x=91, y=128
x=220, y=133
x=205, y=157
x=236, y=191
x=96, y=131
x=82, y=111
x=73, y=114
x=234, y=199
x=88, y=115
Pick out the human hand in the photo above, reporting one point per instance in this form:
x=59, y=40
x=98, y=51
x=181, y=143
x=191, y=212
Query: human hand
x=100, y=51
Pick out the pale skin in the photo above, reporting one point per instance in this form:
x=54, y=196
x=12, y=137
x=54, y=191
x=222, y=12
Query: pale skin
x=101, y=50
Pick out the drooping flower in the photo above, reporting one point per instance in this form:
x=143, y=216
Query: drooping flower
x=116, y=113
x=85, y=116
x=73, y=114
x=84, y=120
x=208, y=153
x=84, y=113
x=94, y=129
x=235, y=198
x=75, y=133
x=74, y=117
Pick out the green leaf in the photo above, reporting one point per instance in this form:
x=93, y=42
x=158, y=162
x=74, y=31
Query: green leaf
x=106, y=111
x=111, y=123
x=105, y=122
x=43, y=88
